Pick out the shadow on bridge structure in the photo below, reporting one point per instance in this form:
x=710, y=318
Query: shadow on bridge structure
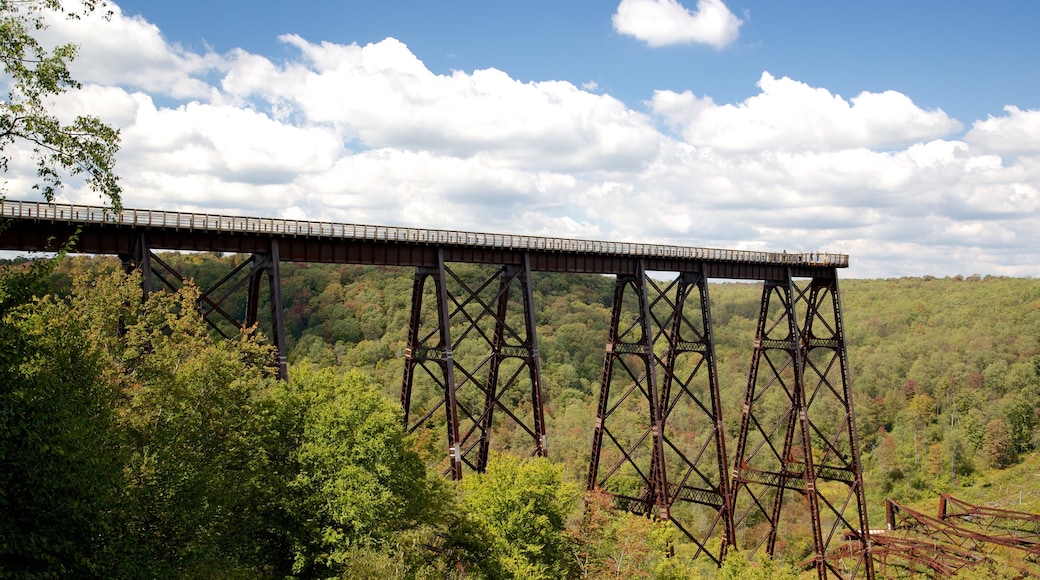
x=659, y=444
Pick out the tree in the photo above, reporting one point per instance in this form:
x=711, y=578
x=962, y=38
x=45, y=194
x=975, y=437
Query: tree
x=60, y=465
x=1020, y=416
x=920, y=411
x=998, y=447
x=738, y=566
x=355, y=489
x=611, y=544
x=523, y=506
x=199, y=492
x=35, y=75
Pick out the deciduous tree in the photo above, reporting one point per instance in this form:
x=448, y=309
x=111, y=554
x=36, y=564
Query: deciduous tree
x=523, y=506
x=60, y=466
x=35, y=75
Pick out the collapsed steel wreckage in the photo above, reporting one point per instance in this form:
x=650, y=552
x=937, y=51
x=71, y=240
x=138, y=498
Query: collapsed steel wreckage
x=962, y=536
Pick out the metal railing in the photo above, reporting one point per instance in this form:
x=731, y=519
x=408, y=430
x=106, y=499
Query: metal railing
x=76, y=214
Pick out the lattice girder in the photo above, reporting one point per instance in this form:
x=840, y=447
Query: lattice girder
x=213, y=300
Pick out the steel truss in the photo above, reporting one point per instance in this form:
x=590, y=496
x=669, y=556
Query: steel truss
x=911, y=557
x=942, y=530
x=1022, y=526
x=798, y=433
x=659, y=385
x=475, y=346
x=213, y=301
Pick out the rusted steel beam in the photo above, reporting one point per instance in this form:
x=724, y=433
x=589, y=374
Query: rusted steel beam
x=1018, y=524
x=912, y=556
x=431, y=350
x=906, y=519
x=521, y=345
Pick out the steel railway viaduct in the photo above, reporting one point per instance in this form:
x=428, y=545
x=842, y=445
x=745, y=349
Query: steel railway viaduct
x=659, y=446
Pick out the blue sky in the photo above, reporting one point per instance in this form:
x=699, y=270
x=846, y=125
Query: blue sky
x=968, y=58
x=906, y=134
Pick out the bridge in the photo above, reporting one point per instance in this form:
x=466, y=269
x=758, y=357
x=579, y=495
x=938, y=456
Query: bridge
x=797, y=432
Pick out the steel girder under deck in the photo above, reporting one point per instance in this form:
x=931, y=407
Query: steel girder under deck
x=658, y=443
x=476, y=347
x=798, y=433
x=213, y=301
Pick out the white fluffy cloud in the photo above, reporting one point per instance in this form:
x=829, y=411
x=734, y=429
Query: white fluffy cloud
x=130, y=50
x=1017, y=133
x=791, y=115
x=383, y=96
x=370, y=134
x=664, y=22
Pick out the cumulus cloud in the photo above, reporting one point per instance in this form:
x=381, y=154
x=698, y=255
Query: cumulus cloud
x=1015, y=133
x=129, y=51
x=235, y=144
x=664, y=22
x=369, y=134
x=381, y=95
x=788, y=114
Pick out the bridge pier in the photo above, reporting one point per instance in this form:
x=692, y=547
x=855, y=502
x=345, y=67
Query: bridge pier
x=797, y=432
x=650, y=470
x=474, y=356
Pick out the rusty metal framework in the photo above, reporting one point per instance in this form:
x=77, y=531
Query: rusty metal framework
x=1022, y=526
x=214, y=300
x=798, y=433
x=475, y=345
x=908, y=557
x=941, y=530
x=659, y=382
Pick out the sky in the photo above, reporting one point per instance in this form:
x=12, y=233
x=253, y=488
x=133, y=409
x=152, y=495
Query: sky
x=905, y=134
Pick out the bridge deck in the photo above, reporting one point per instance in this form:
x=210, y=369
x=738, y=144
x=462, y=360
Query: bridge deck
x=35, y=226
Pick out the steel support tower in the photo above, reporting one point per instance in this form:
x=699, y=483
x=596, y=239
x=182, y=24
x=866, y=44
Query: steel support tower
x=659, y=384
x=477, y=349
x=798, y=432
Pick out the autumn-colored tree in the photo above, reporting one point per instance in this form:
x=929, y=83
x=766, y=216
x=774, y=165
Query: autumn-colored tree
x=998, y=447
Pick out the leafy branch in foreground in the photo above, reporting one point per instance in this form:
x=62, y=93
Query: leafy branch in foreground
x=34, y=75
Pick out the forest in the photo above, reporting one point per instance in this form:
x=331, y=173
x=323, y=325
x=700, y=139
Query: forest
x=136, y=442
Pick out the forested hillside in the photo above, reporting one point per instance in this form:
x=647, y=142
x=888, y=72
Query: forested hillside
x=237, y=472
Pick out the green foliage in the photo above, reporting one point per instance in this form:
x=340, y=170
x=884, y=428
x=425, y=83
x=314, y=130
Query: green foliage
x=313, y=478
x=522, y=507
x=738, y=566
x=135, y=445
x=58, y=487
x=35, y=76
x=200, y=481
x=354, y=484
x=607, y=543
